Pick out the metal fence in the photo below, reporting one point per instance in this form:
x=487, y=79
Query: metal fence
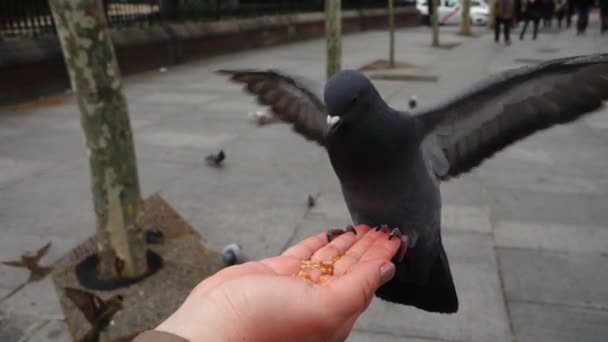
x=31, y=18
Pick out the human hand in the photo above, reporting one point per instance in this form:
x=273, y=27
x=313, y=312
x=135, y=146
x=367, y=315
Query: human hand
x=266, y=301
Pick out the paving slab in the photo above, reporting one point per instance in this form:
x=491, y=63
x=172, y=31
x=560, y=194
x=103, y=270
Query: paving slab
x=551, y=237
x=18, y=327
x=576, y=279
x=540, y=323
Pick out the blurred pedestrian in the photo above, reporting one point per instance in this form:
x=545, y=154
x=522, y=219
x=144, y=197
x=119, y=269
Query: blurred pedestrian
x=604, y=15
x=532, y=12
x=561, y=6
x=582, y=9
x=570, y=8
x=504, y=15
x=548, y=7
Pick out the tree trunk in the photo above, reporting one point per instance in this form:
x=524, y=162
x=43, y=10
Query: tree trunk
x=435, y=23
x=465, y=20
x=391, y=28
x=333, y=25
x=95, y=79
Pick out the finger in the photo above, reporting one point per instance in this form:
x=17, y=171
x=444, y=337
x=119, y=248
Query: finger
x=337, y=246
x=383, y=248
x=341, y=244
x=306, y=248
x=352, y=292
x=373, y=245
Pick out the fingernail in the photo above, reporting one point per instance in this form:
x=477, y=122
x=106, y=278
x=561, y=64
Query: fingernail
x=387, y=272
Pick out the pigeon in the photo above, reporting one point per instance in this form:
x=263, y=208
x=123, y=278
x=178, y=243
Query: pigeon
x=32, y=264
x=232, y=255
x=216, y=159
x=413, y=102
x=154, y=235
x=390, y=163
x=262, y=117
x=98, y=312
x=311, y=200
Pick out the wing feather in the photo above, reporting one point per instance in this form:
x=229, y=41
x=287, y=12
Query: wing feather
x=504, y=108
x=295, y=100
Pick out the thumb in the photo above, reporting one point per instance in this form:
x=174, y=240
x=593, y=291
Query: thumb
x=356, y=288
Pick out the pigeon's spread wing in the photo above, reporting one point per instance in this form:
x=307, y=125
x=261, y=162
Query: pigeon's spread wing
x=42, y=252
x=14, y=263
x=508, y=106
x=88, y=303
x=295, y=100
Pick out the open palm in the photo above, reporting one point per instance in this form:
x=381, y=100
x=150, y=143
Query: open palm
x=267, y=300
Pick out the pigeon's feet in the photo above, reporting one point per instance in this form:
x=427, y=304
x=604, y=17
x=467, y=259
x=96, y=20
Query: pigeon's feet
x=384, y=228
x=334, y=233
x=403, y=247
x=395, y=232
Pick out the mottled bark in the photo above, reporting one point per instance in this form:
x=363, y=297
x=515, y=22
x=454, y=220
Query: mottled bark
x=95, y=80
x=465, y=19
x=391, y=29
x=333, y=24
x=435, y=23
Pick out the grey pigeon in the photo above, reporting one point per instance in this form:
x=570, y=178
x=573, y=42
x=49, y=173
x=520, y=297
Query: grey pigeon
x=232, y=255
x=389, y=162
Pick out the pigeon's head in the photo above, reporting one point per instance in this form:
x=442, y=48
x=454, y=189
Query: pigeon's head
x=348, y=96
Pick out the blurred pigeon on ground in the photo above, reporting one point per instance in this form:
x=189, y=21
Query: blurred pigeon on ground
x=413, y=103
x=312, y=199
x=154, y=235
x=262, y=117
x=232, y=255
x=216, y=159
x=389, y=162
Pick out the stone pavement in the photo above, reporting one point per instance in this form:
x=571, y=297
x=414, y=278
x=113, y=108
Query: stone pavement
x=526, y=233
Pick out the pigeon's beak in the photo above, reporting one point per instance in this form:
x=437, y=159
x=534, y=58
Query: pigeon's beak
x=332, y=121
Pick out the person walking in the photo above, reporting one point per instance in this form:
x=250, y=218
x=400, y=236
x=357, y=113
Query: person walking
x=504, y=15
x=582, y=9
x=548, y=8
x=532, y=12
x=560, y=11
x=604, y=15
x=570, y=8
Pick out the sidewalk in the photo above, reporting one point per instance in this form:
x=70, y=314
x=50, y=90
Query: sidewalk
x=526, y=232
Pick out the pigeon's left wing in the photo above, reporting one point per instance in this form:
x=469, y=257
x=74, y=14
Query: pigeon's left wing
x=508, y=106
x=88, y=303
x=295, y=100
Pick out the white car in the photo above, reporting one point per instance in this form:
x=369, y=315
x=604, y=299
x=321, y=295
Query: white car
x=450, y=11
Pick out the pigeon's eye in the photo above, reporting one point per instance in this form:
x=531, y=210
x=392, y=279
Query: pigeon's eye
x=354, y=100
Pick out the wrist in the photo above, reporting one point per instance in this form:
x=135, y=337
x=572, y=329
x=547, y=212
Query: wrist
x=198, y=320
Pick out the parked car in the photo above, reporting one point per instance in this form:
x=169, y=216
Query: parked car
x=450, y=11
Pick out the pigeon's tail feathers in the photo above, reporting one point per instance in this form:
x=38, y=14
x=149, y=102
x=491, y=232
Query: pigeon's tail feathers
x=438, y=294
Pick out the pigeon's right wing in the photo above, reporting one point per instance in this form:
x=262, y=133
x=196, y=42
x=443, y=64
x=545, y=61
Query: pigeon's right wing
x=295, y=100
x=88, y=303
x=508, y=106
x=42, y=252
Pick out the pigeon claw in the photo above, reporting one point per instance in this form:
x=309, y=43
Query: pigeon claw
x=334, y=233
x=402, y=248
x=351, y=229
x=394, y=232
x=384, y=228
